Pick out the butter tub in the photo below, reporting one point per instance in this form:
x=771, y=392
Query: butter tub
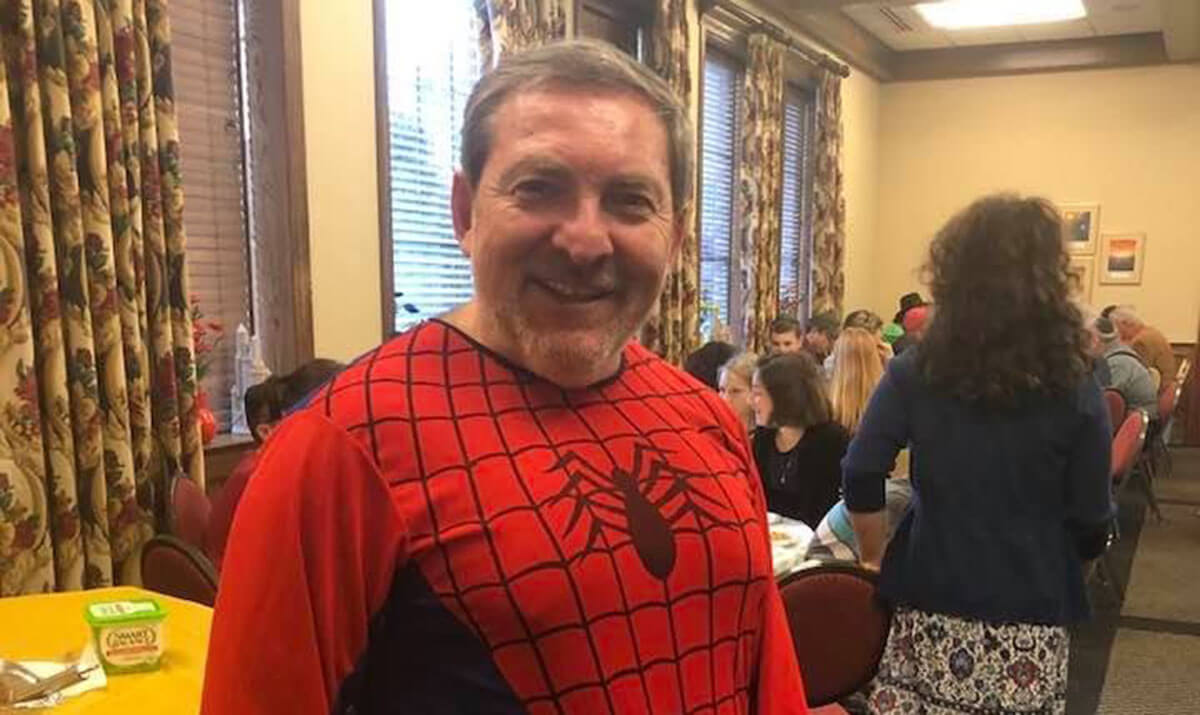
x=128, y=634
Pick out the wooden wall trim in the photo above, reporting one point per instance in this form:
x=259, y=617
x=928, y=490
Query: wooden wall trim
x=387, y=283
x=277, y=189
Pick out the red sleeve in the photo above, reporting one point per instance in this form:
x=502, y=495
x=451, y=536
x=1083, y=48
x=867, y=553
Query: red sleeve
x=311, y=557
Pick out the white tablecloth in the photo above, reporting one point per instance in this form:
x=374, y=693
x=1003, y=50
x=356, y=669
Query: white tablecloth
x=789, y=541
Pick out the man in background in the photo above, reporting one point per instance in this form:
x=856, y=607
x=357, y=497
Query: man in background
x=1150, y=344
x=821, y=332
x=1128, y=375
x=787, y=335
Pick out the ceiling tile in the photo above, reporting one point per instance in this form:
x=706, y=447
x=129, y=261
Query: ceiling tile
x=1124, y=17
x=875, y=22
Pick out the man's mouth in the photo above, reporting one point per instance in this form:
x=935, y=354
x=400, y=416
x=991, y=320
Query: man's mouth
x=570, y=293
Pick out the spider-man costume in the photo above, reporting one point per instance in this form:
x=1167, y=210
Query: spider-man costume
x=439, y=531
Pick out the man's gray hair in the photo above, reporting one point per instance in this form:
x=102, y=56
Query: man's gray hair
x=575, y=64
x=1125, y=314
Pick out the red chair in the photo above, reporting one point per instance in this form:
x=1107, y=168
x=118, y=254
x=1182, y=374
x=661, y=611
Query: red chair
x=1116, y=408
x=189, y=508
x=1126, y=446
x=172, y=567
x=839, y=628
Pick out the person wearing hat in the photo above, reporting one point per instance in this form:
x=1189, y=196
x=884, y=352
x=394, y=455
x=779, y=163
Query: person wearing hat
x=908, y=301
x=1129, y=376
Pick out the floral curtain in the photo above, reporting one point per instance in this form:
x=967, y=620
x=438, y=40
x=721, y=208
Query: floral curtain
x=674, y=330
x=760, y=187
x=829, y=204
x=96, y=367
x=508, y=26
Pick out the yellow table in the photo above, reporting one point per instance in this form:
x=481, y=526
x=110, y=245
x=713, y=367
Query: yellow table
x=47, y=627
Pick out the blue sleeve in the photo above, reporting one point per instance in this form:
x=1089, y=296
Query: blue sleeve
x=883, y=432
x=1089, y=485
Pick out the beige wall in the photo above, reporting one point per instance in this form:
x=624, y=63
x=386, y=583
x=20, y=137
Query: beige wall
x=1127, y=139
x=860, y=183
x=343, y=212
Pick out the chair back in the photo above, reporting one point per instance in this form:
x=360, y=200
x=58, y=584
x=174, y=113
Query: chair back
x=188, y=512
x=839, y=628
x=1168, y=396
x=1127, y=444
x=172, y=567
x=1116, y=408
x=1181, y=375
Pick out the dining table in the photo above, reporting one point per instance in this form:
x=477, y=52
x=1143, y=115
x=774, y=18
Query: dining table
x=49, y=626
x=789, y=543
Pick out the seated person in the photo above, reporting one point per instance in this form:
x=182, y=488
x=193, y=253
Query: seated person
x=787, y=335
x=1148, y=342
x=819, y=335
x=704, y=362
x=734, y=379
x=1129, y=376
x=833, y=539
x=267, y=403
x=798, y=446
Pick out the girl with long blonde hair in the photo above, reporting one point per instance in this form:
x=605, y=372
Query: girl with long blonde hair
x=857, y=369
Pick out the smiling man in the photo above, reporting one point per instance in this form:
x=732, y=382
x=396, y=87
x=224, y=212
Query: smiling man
x=513, y=508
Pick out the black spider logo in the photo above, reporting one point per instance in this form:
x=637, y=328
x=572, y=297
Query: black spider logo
x=623, y=494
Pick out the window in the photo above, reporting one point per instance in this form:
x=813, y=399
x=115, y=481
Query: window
x=431, y=67
x=718, y=164
x=795, y=246
x=206, y=73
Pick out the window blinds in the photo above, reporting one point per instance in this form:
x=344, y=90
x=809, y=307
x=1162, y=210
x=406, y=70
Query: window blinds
x=432, y=64
x=795, y=208
x=718, y=141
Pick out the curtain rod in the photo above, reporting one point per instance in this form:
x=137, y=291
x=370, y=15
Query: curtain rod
x=762, y=24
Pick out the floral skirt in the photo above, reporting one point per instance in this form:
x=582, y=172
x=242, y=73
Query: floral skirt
x=943, y=665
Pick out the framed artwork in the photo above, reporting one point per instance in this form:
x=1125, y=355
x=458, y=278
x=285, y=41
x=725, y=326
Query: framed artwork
x=1121, y=258
x=1080, y=269
x=1081, y=226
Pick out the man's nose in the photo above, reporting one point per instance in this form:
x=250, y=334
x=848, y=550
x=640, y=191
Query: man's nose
x=584, y=234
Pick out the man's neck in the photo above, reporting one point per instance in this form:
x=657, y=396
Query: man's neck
x=482, y=329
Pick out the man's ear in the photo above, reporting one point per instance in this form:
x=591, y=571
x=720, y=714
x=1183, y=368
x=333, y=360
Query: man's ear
x=462, y=202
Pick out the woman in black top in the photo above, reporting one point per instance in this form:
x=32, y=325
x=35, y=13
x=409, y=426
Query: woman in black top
x=1010, y=449
x=798, y=445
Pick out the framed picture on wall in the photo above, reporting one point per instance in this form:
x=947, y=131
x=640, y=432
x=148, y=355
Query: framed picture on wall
x=1080, y=269
x=1081, y=224
x=1121, y=258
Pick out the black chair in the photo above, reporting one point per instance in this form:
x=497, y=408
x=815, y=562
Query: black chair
x=173, y=567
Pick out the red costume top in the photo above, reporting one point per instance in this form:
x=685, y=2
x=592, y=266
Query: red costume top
x=439, y=531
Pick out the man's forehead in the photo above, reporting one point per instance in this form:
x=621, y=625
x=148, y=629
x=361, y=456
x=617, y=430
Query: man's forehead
x=549, y=117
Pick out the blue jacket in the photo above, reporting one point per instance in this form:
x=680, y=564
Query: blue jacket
x=1007, y=503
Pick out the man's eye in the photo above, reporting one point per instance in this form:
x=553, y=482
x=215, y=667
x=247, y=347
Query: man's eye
x=633, y=202
x=534, y=190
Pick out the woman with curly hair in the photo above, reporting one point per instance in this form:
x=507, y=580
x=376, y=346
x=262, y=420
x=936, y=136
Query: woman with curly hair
x=1010, y=455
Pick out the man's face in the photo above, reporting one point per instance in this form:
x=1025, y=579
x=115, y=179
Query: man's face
x=571, y=229
x=817, y=342
x=788, y=341
x=1126, y=329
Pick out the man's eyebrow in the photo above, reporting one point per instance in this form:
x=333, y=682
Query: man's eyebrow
x=539, y=165
x=641, y=181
